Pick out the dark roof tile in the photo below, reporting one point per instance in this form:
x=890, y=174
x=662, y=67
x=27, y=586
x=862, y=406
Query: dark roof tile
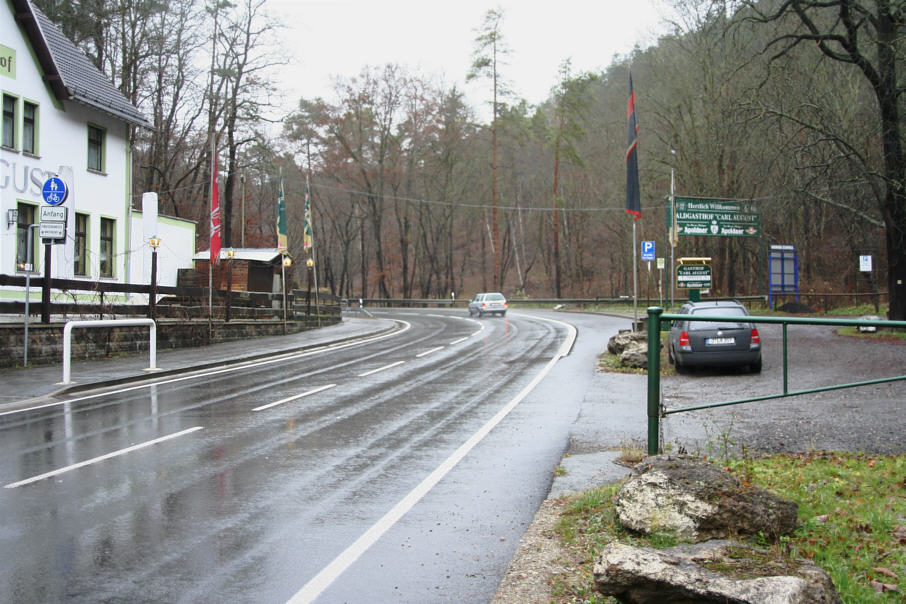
x=81, y=80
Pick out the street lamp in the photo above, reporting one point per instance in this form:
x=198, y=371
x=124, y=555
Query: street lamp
x=310, y=263
x=287, y=261
x=230, y=254
x=154, y=242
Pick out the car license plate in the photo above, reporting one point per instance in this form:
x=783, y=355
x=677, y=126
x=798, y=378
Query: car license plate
x=719, y=341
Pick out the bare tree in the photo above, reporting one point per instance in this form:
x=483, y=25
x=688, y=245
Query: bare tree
x=868, y=36
x=488, y=57
x=246, y=57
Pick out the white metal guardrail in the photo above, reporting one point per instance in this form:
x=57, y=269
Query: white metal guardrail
x=70, y=325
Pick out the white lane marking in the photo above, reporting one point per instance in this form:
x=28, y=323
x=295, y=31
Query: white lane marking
x=427, y=352
x=292, y=398
x=88, y=462
x=367, y=373
x=217, y=371
x=455, y=342
x=316, y=586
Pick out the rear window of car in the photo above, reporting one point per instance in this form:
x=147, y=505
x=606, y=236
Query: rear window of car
x=495, y=297
x=717, y=311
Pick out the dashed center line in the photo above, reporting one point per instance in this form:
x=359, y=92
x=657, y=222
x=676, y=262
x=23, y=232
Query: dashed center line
x=88, y=462
x=293, y=398
x=149, y=443
x=427, y=352
x=385, y=367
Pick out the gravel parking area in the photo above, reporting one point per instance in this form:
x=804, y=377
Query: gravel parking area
x=870, y=419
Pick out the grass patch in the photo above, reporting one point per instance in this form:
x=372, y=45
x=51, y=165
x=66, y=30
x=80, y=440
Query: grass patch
x=632, y=452
x=859, y=310
x=852, y=510
x=881, y=334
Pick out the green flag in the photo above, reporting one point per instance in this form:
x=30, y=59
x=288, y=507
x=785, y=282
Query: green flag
x=281, y=219
x=306, y=234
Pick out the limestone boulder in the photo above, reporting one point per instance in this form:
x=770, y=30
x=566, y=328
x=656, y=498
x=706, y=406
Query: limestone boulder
x=618, y=343
x=697, y=501
x=686, y=574
x=631, y=347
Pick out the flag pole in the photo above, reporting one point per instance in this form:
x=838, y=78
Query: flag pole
x=635, y=279
x=633, y=196
x=673, y=235
x=211, y=252
x=213, y=181
x=315, y=260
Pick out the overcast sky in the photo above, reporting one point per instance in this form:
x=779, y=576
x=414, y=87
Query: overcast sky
x=436, y=38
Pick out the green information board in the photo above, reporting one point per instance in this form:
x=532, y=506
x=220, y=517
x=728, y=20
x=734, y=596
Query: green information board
x=704, y=216
x=693, y=276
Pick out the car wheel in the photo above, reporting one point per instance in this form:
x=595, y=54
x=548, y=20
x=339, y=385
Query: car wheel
x=756, y=366
x=680, y=368
x=670, y=358
x=480, y=314
x=503, y=314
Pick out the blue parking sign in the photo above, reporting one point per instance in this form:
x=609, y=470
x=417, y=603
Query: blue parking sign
x=55, y=191
x=647, y=251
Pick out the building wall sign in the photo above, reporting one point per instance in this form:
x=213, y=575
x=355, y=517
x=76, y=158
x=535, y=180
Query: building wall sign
x=717, y=217
x=7, y=62
x=22, y=178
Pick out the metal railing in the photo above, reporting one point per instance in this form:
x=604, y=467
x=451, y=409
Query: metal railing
x=67, y=340
x=656, y=316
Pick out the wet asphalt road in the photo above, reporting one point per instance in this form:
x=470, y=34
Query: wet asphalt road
x=304, y=476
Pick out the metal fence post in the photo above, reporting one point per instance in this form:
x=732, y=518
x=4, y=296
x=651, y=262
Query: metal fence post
x=654, y=377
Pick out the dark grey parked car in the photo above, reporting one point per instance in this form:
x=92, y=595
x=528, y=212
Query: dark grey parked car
x=713, y=343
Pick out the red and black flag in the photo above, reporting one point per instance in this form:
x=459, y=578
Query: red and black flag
x=214, y=256
x=633, y=196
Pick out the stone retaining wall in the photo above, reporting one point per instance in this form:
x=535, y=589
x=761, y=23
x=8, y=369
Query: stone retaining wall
x=46, y=340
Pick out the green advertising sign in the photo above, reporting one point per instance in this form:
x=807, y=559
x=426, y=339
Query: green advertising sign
x=715, y=217
x=693, y=276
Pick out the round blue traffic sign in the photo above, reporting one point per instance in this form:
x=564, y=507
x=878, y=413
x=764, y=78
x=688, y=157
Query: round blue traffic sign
x=55, y=191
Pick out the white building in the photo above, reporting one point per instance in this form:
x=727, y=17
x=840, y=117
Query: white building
x=62, y=117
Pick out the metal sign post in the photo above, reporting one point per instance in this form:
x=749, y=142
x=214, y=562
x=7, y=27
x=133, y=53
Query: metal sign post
x=30, y=265
x=660, y=281
x=53, y=231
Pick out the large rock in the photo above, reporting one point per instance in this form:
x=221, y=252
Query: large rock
x=631, y=347
x=618, y=343
x=682, y=575
x=696, y=501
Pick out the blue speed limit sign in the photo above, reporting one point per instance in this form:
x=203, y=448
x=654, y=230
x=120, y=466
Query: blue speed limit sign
x=55, y=191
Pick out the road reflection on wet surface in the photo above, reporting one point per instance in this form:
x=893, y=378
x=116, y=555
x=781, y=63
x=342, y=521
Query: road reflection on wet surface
x=268, y=473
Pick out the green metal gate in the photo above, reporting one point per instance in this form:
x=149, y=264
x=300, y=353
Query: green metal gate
x=656, y=317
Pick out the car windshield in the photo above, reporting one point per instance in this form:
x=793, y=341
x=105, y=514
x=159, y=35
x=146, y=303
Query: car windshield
x=717, y=311
x=494, y=297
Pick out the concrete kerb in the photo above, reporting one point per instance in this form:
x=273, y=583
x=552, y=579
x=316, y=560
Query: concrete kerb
x=156, y=375
x=587, y=471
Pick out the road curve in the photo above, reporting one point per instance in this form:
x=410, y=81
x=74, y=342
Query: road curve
x=263, y=483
